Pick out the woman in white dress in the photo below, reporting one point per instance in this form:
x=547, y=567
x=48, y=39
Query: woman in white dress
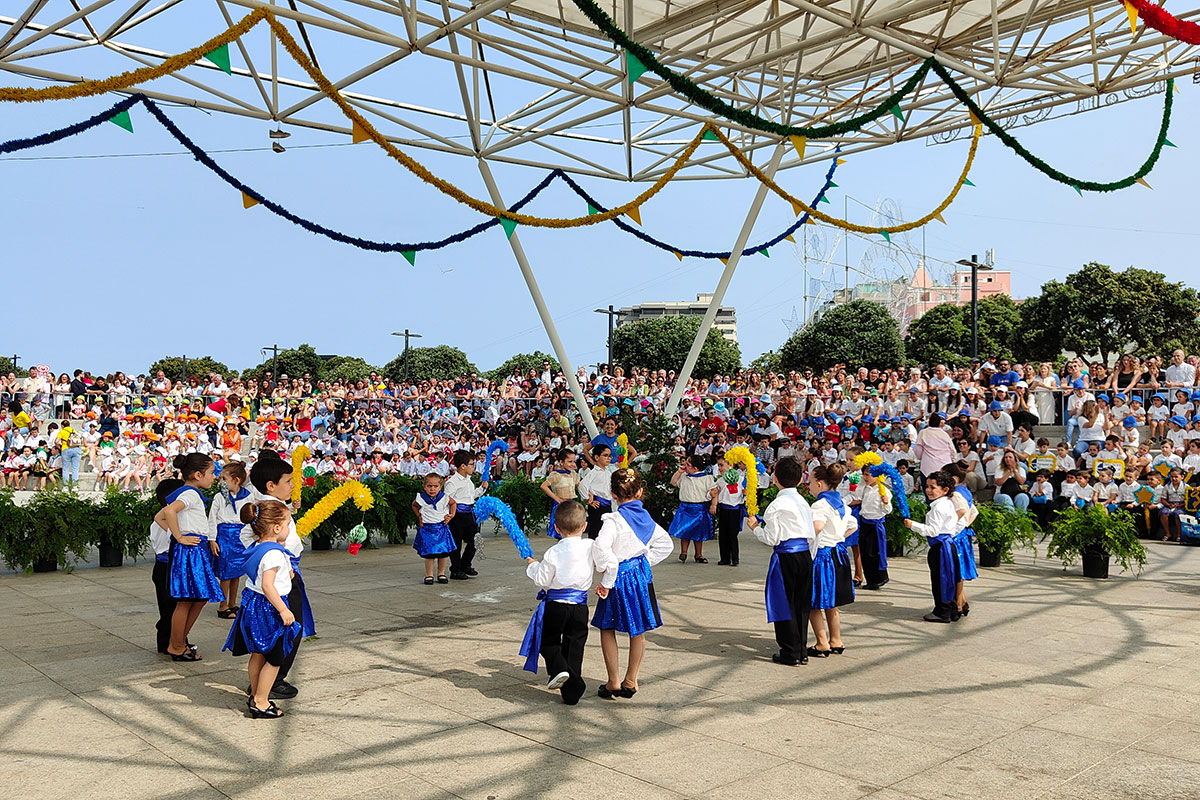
x=1044, y=388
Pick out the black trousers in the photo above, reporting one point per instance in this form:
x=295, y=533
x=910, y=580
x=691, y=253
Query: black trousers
x=463, y=528
x=868, y=549
x=166, y=604
x=595, y=520
x=729, y=525
x=792, y=634
x=296, y=606
x=940, y=608
x=564, y=633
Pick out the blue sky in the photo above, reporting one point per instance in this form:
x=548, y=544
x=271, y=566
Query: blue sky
x=113, y=262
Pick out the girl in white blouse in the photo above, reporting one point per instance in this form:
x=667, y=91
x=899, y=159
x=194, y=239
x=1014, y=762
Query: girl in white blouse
x=939, y=527
x=832, y=571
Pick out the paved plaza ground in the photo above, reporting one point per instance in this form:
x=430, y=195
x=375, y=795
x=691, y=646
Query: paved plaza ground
x=1056, y=686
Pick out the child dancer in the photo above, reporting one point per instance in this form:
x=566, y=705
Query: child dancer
x=939, y=528
x=559, y=628
x=225, y=535
x=463, y=526
x=265, y=627
x=731, y=509
x=832, y=573
x=629, y=544
x=964, y=547
x=875, y=503
x=787, y=526
x=693, y=520
x=560, y=484
x=160, y=540
x=434, y=542
x=271, y=478
x=192, y=582
x=596, y=488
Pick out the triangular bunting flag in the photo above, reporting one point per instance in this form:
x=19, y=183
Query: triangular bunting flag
x=1142, y=181
x=679, y=256
x=725, y=261
x=897, y=113
x=967, y=182
x=1078, y=190
x=939, y=218
x=509, y=226
x=1168, y=143
x=832, y=185
x=798, y=142
x=357, y=134
x=886, y=235
x=764, y=252
x=790, y=238
x=121, y=119
x=635, y=214
x=248, y=201
x=410, y=256
x=633, y=67
x=810, y=221
x=841, y=161
x=220, y=57
x=709, y=136
x=797, y=209
x=824, y=199
x=1132, y=12
x=592, y=210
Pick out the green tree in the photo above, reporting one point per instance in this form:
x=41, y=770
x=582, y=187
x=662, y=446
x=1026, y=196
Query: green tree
x=663, y=343
x=858, y=333
x=767, y=362
x=937, y=336
x=172, y=367
x=999, y=326
x=6, y=365
x=293, y=362
x=430, y=363
x=346, y=368
x=524, y=362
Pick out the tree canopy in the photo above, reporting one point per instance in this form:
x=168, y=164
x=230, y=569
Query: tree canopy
x=523, y=362
x=293, y=362
x=442, y=362
x=855, y=333
x=767, y=362
x=943, y=333
x=172, y=367
x=347, y=369
x=663, y=343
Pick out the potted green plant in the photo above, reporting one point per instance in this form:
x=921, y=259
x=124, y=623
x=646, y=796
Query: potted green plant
x=121, y=524
x=53, y=530
x=900, y=538
x=1096, y=536
x=999, y=530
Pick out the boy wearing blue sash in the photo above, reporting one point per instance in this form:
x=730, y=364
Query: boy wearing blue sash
x=559, y=627
x=787, y=527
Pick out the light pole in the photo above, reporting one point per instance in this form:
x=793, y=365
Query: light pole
x=184, y=368
x=975, y=269
x=407, y=335
x=274, y=361
x=609, y=311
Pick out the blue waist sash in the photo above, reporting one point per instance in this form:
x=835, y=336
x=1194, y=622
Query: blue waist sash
x=603, y=503
x=778, y=607
x=164, y=557
x=728, y=507
x=946, y=557
x=531, y=646
x=463, y=508
x=880, y=534
x=841, y=552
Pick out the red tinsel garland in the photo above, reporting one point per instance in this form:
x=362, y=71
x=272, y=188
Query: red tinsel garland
x=1163, y=21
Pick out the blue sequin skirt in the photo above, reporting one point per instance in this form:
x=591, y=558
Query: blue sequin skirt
x=228, y=565
x=833, y=578
x=259, y=629
x=965, y=550
x=631, y=606
x=551, y=531
x=692, y=522
x=192, y=576
x=434, y=540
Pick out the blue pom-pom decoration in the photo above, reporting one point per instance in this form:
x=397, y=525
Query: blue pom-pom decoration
x=487, y=507
x=487, y=459
x=896, y=483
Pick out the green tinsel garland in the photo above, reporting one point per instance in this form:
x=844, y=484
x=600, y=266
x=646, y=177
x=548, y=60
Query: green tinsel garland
x=748, y=119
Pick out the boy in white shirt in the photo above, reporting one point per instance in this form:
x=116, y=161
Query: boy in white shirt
x=1191, y=463
x=559, y=628
x=463, y=527
x=905, y=477
x=1176, y=434
x=1041, y=497
x=1157, y=415
x=1104, y=492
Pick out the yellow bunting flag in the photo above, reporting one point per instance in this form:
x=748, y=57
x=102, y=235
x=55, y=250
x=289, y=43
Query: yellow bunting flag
x=1143, y=182
x=841, y=161
x=790, y=238
x=798, y=142
x=248, y=201
x=725, y=261
x=679, y=256
x=357, y=134
x=635, y=214
x=940, y=218
x=797, y=209
x=1132, y=13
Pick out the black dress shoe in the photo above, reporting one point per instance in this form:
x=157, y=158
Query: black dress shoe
x=282, y=690
x=787, y=662
x=471, y=571
x=722, y=563
x=459, y=576
x=931, y=617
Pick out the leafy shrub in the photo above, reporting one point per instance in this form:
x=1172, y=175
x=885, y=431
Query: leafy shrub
x=1000, y=529
x=1076, y=532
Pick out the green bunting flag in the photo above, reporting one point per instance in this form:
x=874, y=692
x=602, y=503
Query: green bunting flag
x=1078, y=190
x=220, y=57
x=709, y=136
x=509, y=226
x=1168, y=143
x=122, y=119
x=410, y=256
x=634, y=67
x=592, y=209
x=967, y=182
x=886, y=235
x=824, y=199
x=897, y=113
x=832, y=185
x=764, y=252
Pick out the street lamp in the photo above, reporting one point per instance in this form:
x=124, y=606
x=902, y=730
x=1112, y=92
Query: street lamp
x=611, y=314
x=975, y=266
x=407, y=335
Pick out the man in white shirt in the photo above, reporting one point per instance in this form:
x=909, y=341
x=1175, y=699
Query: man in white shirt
x=1180, y=373
x=996, y=422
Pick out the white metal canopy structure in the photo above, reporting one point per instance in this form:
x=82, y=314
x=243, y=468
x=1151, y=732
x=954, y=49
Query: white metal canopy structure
x=534, y=82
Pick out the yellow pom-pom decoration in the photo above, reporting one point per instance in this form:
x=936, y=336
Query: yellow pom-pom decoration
x=870, y=459
x=298, y=457
x=741, y=457
x=323, y=510
x=623, y=448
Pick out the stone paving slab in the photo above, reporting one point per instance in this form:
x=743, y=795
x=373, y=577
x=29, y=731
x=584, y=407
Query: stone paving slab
x=1055, y=687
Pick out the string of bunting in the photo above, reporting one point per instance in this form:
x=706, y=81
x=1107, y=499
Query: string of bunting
x=641, y=59
x=1162, y=21
x=118, y=113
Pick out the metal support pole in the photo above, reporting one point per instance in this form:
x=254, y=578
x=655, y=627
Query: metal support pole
x=539, y=303
x=185, y=368
x=610, y=342
x=719, y=295
x=974, y=306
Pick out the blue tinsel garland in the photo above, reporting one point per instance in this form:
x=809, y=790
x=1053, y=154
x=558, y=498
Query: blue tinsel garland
x=487, y=459
x=487, y=507
x=896, y=483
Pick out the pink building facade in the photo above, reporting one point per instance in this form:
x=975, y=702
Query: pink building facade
x=924, y=294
